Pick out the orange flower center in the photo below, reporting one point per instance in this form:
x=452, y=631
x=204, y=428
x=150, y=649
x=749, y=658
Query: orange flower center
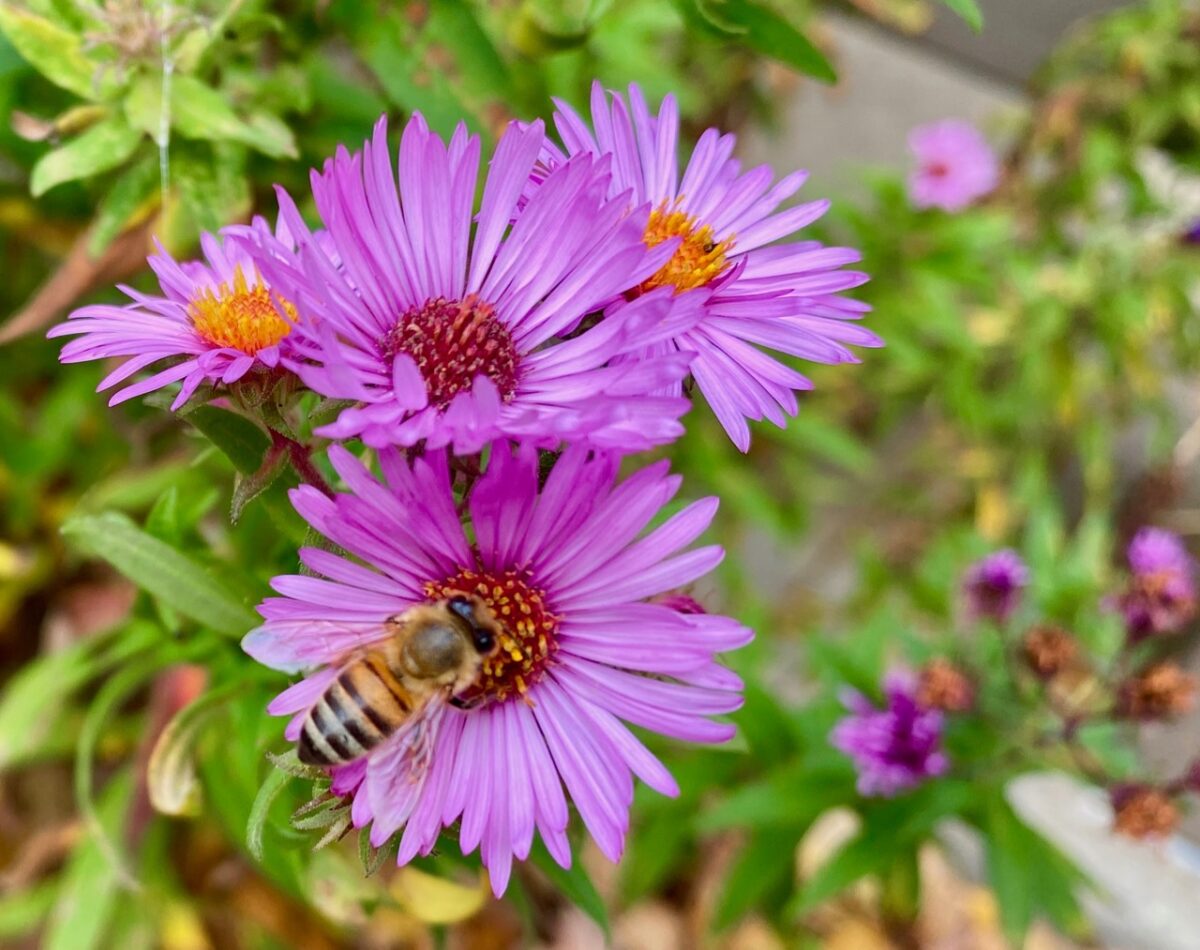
x=527, y=629
x=452, y=342
x=699, y=260
x=240, y=316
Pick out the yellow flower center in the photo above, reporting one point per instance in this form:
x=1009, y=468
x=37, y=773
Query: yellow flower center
x=528, y=629
x=699, y=260
x=240, y=316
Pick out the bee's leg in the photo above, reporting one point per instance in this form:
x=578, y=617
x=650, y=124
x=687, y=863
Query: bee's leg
x=458, y=703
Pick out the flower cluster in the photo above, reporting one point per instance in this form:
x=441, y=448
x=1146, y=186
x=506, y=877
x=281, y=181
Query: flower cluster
x=499, y=358
x=1050, y=689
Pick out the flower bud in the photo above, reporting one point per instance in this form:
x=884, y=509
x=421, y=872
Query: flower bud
x=1049, y=650
x=993, y=585
x=1161, y=595
x=1159, y=691
x=1143, y=811
x=942, y=685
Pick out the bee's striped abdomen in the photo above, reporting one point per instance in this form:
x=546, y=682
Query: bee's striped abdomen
x=361, y=708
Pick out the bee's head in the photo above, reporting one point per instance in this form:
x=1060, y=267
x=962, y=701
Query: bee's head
x=482, y=635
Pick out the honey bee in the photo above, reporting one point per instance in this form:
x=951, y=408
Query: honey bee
x=431, y=654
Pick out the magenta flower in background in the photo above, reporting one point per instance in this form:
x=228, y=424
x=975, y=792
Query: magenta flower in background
x=719, y=221
x=1161, y=596
x=955, y=165
x=446, y=339
x=993, y=585
x=895, y=748
x=587, y=648
x=215, y=317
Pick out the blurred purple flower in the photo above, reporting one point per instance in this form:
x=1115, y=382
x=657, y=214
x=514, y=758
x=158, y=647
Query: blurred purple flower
x=955, y=165
x=450, y=327
x=721, y=224
x=216, y=319
x=994, y=584
x=1192, y=234
x=895, y=748
x=1161, y=596
x=569, y=569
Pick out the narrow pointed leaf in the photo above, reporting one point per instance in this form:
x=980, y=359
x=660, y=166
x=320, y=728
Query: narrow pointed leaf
x=172, y=577
x=104, y=146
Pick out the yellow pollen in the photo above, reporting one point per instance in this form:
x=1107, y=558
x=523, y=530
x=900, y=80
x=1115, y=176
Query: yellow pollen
x=699, y=260
x=526, y=634
x=239, y=316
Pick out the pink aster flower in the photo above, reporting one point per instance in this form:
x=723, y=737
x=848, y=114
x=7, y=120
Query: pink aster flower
x=446, y=339
x=719, y=222
x=955, y=165
x=568, y=570
x=1161, y=596
x=216, y=320
x=895, y=748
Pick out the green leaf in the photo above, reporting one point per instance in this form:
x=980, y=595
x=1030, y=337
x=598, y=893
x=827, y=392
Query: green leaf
x=91, y=882
x=102, y=147
x=36, y=697
x=274, y=136
x=858, y=858
x=114, y=693
x=213, y=187
x=660, y=846
x=890, y=830
x=762, y=875
x=765, y=31
x=275, y=782
x=131, y=198
x=811, y=434
x=177, y=580
x=54, y=52
x=707, y=15
x=766, y=725
x=574, y=884
x=23, y=911
x=412, y=88
x=969, y=11
x=198, y=111
x=790, y=799
x=1027, y=873
x=33, y=700
x=1008, y=870
x=239, y=439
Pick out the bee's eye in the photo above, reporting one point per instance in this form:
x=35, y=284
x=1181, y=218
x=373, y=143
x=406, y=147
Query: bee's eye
x=484, y=641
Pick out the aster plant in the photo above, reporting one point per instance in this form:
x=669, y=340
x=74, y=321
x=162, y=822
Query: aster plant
x=454, y=365
x=921, y=719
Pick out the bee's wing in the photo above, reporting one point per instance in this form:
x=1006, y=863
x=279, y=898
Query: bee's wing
x=397, y=770
x=294, y=645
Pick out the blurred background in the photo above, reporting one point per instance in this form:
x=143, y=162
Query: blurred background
x=1036, y=391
